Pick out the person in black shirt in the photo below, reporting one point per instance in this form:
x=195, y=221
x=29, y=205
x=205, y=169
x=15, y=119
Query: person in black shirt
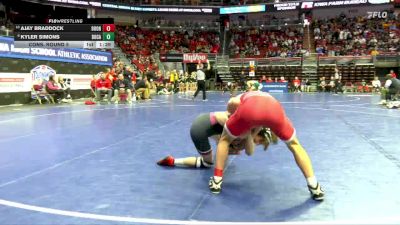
x=201, y=79
x=122, y=86
x=392, y=86
x=128, y=74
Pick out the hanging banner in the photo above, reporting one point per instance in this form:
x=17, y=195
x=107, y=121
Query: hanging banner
x=135, y=8
x=252, y=70
x=72, y=55
x=275, y=87
x=242, y=9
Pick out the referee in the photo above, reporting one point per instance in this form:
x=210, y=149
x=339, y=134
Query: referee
x=201, y=76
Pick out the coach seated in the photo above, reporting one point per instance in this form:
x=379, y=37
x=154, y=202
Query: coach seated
x=142, y=88
x=330, y=85
x=321, y=86
x=376, y=85
x=103, y=85
x=121, y=86
x=53, y=89
x=64, y=86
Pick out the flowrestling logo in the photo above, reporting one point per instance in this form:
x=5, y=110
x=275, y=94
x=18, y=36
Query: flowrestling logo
x=379, y=15
x=195, y=57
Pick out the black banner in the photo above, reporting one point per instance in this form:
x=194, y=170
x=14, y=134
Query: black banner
x=151, y=9
x=65, y=21
x=206, y=10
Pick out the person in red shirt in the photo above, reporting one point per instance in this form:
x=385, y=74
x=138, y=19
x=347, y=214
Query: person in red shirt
x=269, y=80
x=134, y=78
x=53, y=88
x=296, y=84
x=393, y=74
x=103, y=85
x=93, y=85
x=253, y=110
x=263, y=79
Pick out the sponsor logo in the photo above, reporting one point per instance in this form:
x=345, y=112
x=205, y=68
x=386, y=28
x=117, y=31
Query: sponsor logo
x=193, y=58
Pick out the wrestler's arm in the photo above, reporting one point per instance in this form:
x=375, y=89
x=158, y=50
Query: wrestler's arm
x=249, y=145
x=221, y=117
x=222, y=150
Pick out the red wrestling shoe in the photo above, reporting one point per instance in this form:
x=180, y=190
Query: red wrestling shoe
x=167, y=161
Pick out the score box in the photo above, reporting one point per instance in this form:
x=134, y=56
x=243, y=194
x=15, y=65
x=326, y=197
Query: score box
x=108, y=36
x=108, y=27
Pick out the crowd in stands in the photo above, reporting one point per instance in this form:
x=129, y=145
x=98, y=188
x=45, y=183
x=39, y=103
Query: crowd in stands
x=140, y=44
x=338, y=36
x=357, y=36
x=255, y=42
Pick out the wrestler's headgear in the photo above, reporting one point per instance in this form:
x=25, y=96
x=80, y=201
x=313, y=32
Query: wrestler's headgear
x=269, y=137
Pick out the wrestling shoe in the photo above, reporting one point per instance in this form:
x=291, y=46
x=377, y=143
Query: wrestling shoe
x=167, y=161
x=215, y=184
x=317, y=193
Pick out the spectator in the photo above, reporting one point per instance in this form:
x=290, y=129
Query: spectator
x=321, y=86
x=128, y=74
x=103, y=85
x=376, y=84
x=122, y=86
x=331, y=84
x=93, y=85
x=393, y=74
x=392, y=86
x=52, y=88
x=296, y=84
x=363, y=87
x=165, y=90
x=142, y=88
x=263, y=79
x=65, y=86
x=305, y=85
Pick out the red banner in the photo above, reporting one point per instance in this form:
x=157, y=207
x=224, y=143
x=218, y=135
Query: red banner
x=195, y=58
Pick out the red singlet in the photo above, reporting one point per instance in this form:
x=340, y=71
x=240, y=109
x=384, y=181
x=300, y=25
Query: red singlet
x=260, y=109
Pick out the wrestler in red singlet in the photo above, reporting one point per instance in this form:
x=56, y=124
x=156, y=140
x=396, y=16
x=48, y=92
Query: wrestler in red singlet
x=268, y=113
x=259, y=109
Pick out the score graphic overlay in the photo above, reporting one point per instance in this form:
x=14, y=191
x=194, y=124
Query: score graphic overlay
x=66, y=33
